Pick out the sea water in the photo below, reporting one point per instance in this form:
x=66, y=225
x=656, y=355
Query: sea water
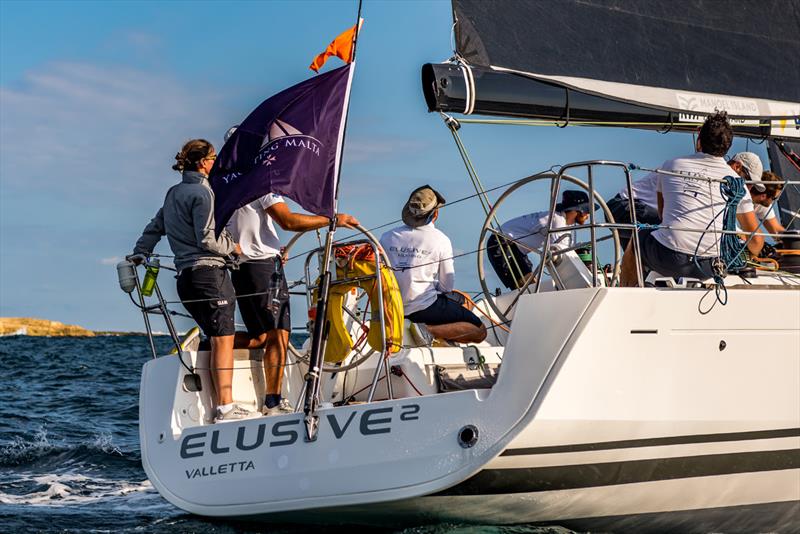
x=69, y=445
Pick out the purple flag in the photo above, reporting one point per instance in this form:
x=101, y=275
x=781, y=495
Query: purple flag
x=289, y=145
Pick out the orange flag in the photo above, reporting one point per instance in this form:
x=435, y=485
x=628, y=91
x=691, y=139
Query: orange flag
x=341, y=47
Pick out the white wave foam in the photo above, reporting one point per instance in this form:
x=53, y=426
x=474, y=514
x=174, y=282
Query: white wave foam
x=19, y=448
x=75, y=489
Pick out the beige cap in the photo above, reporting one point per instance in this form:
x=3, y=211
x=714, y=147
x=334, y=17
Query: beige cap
x=422, y=202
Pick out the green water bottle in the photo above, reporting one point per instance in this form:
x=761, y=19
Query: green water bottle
x=151, y=273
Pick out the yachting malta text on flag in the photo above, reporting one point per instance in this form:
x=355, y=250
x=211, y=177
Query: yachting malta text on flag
x=289, y=145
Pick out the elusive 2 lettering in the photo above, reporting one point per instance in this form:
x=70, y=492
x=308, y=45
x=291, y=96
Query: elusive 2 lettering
x=367, y=423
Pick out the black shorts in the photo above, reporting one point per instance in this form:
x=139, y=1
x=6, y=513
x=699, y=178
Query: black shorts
x=444, y=310
x=620, y=209
x=664, y=260
x=518, y=261
x=263, y=312
x=216, y=300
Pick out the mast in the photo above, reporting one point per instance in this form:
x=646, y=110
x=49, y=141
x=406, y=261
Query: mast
x=311, y=401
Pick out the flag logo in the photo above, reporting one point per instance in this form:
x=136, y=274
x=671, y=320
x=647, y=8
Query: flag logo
x=289, y=145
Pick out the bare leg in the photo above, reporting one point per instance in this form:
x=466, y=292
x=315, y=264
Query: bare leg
x=627, y=274
x=242, y=340
x=461, y=332
x=222, y=365
x=275, y=359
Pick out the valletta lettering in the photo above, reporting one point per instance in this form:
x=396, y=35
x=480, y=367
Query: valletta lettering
x=221, y=469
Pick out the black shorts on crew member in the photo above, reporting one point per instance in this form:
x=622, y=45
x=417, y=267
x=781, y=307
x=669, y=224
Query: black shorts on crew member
x=507, y=260
x=668, y=262
x=620, y=209
x=446, y=309
x=256, y=276
x=215, y=299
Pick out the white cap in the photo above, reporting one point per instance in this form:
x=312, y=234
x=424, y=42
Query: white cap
x=752, y=163
x=230, y=131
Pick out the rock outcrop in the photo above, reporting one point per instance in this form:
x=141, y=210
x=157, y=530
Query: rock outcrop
x=39, y=327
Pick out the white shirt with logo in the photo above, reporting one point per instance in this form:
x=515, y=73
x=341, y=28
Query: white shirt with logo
x=528, y=231
x=254, y=229
x=423, y=262
x=694, y=204
x=644, y=190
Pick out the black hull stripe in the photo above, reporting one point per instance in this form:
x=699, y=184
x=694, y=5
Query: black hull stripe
x=656, y=442
x=564, y=477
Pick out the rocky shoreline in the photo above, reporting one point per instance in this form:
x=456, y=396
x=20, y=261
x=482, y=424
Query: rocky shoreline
x=26, y=326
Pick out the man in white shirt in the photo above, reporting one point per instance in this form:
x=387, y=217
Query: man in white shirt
x=422, y=258
x=266, y=314
x=688, y=201
x=508, y=253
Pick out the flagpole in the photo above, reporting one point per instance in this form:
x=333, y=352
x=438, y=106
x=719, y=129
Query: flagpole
x=321, y=325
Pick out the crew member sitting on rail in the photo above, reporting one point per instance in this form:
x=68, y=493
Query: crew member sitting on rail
x=690, y=204
x=422, y=258
x=265, y=311
x=763, y=195
x=508, y=253
x=187, y=219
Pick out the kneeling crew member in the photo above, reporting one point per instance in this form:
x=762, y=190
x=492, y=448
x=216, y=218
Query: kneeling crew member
x=508, y=253
x=422, y=257
x=187, y=219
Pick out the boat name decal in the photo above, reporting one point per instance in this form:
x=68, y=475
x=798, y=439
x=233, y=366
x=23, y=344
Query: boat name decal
x=220, y=469
x=370, y=422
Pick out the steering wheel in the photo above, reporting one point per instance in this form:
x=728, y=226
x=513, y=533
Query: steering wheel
x=359, y=357
x=502, y=315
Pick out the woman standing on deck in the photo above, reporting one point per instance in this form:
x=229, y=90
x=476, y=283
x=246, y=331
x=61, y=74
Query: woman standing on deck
x=187, y=219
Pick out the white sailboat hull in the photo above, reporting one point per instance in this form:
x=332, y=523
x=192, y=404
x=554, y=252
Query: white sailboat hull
x=612, y=407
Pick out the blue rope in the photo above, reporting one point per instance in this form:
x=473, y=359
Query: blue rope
x=731, y=249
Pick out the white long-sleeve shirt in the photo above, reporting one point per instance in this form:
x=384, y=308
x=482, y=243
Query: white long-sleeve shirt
x=423, y=262
x=528, y=231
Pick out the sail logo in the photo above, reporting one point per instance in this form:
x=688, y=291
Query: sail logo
x=284, y=136
x=704, y=104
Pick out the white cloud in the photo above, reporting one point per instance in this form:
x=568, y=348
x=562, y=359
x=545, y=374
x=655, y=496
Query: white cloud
x=113, y=260
x=85, y=128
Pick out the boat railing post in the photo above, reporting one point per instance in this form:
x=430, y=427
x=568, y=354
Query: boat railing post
x=145, y=316
x=591, y=225
x=167, y=319
x=635, y=234
x=555, y=184
x=384, y=355
x=314, y=373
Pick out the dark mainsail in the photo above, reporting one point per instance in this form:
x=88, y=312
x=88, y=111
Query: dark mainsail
x=666, y=62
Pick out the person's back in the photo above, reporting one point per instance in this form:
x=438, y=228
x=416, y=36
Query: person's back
x=687, y=244
x=188, y=224
x=529, y=230
x=423, y=263
x=422, y=259
x=692, y=202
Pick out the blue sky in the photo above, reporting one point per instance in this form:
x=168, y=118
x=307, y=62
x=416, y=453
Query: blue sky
x=97, y=97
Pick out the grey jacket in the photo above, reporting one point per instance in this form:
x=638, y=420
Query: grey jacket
x=187, y=219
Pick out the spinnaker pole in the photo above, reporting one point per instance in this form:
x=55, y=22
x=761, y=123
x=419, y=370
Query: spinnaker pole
x=312, y=379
